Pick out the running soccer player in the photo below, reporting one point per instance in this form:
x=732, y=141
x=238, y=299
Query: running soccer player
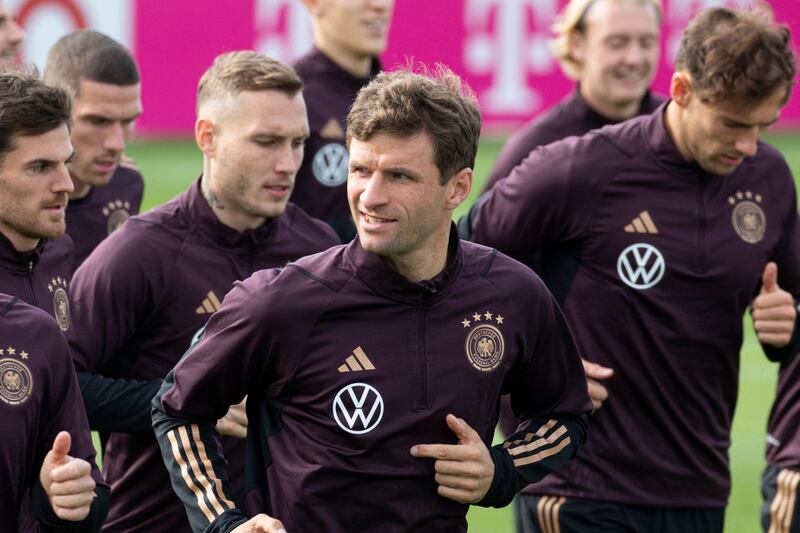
x=145, y=291
x=349, y=35
x=610, y=48
x=104, y=81
x=35, y=255
x=656, y=235
x=11, y=37
x=373, y=371
x=50, y=481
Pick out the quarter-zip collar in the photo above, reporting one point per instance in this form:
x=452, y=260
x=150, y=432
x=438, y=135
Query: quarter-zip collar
x=207, y=223
x=383, y=279
x=595, y=120
x=666, y=151
x=15, y=261
x=331, y=71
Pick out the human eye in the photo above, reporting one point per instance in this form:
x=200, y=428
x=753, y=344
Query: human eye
x=617, y=42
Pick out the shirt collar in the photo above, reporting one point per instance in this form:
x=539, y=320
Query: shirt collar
x=12, y=259
x=666, y=151
x=207, y=222
x=381, y=278
x=328, y=66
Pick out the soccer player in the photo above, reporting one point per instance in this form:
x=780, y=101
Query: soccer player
x=50, y=480
x=11, y=36
x=348, y=37
x=146, y=290
x=611, y=48
x=373, y=371
x=104, y=81
x=656, y=235
x=35, y=255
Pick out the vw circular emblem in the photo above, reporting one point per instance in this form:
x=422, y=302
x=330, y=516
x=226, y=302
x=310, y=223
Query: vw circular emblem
x=330, y=165
x=358, y=408
x=640, y=266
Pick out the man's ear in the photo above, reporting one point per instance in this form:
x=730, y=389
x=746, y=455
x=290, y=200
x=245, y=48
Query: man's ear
x=458, y=188
x=315, y=7
x=577, y=47
x=681, y=90
x=205, y=136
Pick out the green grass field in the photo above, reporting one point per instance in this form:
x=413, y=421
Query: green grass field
x=169, y=166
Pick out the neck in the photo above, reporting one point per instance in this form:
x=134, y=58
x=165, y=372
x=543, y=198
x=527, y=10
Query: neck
x=227, y=215
x=672, y=123
x=19, y=242
x=426, y=262
x=607, y=109
x=80, y=189
x=357, y=65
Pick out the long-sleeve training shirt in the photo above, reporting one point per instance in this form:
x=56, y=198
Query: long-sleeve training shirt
x=92, y=218
x=138, y=301
x=39, y=398
x=39, y=277
x=347, y=365
x=654, y=262
x=321, y=184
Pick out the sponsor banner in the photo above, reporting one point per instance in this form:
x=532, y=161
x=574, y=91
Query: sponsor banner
x=498, y=46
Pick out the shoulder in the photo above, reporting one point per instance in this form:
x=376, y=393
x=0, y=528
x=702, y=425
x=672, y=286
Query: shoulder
x=31, y=328
x=138, y=245
x=60, y=249
x=126, y=177
x=508, y=276
x=317, y=234
x=299, y=292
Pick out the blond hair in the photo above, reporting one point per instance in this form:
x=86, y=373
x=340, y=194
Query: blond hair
x=244, y=70
x=572, y=20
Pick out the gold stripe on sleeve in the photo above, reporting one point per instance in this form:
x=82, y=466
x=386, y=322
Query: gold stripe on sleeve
x=194, y=465
x=176, y=453
x=201, y=449
x=539, y=443
x=544, y=454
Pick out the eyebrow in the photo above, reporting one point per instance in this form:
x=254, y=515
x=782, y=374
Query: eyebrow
x=46, y=161
x=110, y=119
x=737, y=123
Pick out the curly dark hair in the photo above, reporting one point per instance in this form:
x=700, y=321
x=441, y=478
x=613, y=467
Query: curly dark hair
x=737, y=56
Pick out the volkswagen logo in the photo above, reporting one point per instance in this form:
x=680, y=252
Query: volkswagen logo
x=358, y=408
x=330, y=165
x=640, y=266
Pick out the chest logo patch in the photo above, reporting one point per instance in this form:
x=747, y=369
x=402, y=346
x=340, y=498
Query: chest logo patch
x=640, y=266
x=58, y=288
x=358, y=408
x=748, y=218
x=16, y=382
x=117, y=212
x=330, y=165
x=485, y=344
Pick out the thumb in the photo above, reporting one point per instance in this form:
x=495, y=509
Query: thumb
x=61, y=447
x=462, y=430
x=596, y=371
x=769, y=279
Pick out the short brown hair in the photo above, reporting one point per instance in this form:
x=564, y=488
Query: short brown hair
x=90, y=55
x=404, y=103
x=29, y=107
x=234, y=72
x=737, y=56
x=572, y=20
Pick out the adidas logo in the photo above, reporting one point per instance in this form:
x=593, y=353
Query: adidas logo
x=642, y=224
x=357, y=362
x=332, y=130
x=210, y=304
